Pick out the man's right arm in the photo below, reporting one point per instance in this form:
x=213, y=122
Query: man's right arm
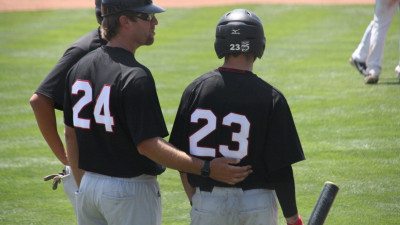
x=43, y=108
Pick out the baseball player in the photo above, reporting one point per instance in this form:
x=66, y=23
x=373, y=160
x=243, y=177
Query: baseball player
x=367, y=58
x=231, y=112
x=50, y=96
x=112, y=113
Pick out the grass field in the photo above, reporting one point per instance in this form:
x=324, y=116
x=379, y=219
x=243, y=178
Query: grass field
x=350, y=131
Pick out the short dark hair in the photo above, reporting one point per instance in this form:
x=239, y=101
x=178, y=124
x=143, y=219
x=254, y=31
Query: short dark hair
x=110, y=24
x=249, y=56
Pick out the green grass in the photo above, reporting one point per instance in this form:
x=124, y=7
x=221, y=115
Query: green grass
x=349, y=131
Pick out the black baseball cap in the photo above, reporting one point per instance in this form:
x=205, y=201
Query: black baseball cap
x=139, y=6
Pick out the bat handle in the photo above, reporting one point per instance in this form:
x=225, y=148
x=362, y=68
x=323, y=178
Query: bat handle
x=324, y=204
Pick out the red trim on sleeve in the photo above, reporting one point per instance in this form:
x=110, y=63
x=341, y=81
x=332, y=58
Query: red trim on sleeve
x=225, y=69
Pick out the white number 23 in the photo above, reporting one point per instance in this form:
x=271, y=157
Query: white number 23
x=241, y=138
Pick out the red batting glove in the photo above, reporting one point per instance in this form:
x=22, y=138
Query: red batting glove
x=299, y=221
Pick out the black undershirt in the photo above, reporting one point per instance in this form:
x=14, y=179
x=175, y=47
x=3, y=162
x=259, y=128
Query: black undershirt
x=283, y=182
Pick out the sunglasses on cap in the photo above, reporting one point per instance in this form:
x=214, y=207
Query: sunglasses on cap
x=145, y=16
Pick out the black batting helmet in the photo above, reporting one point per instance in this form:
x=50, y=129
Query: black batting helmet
x=239, y=32
x=137, y=6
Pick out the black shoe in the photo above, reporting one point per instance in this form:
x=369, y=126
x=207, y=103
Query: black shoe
x=360, y=66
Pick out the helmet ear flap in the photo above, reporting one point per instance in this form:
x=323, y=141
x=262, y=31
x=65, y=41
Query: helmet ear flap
x=239, y=32
x=219, y=46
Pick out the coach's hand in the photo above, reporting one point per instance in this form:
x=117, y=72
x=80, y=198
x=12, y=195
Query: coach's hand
x=224, y=170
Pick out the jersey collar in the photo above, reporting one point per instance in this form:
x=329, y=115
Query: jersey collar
x=232, y=70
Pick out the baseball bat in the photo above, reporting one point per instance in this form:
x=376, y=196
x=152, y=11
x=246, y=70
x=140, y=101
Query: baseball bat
x=323, y=204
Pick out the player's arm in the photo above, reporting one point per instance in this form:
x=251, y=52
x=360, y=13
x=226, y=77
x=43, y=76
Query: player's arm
x=283, y=183
x=188, y=188
x=285, y=148
x=162, y=152
x=73, y=153
x=43, y=108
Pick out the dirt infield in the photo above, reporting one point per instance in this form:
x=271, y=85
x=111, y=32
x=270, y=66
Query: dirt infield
x=29, y=5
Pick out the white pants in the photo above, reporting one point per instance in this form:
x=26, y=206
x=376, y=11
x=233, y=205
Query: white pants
x=232, y=206
x=70, y=186
x=105, y=200
x=370, y=49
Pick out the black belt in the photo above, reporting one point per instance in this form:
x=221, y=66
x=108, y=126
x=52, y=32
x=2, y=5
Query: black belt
x=210, y=188
x=207, y=189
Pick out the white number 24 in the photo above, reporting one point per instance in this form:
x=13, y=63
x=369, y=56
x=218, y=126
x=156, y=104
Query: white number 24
x=241, y=137
x=102, y=105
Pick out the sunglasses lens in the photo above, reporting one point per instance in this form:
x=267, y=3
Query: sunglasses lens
x=144, y=16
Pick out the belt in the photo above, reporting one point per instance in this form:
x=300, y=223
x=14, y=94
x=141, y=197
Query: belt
x=210, y=188
x=246, y=188
x=207, y=189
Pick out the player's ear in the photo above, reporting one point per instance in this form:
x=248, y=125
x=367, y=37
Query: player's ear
x=124, y=21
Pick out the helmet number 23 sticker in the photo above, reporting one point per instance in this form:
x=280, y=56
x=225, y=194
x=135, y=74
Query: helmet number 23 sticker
x=243, y=47
x=241, y=137
x=234, y=47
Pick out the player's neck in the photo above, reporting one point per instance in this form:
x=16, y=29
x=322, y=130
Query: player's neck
x=238, y=66
x=239, y=63
x=118, y=42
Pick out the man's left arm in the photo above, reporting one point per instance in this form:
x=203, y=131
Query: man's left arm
x=284, y=185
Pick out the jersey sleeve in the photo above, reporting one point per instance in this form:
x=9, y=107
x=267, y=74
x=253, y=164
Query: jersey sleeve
x=283, y=146
x=142, y=110
x=53, y=85
x=67, y=106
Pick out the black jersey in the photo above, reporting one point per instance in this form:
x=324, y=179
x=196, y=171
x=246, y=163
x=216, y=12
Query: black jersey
x=235, y=114
x=112, y=103
x=53, y=85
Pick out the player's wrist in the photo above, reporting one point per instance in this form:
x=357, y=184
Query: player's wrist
x=65, y=161
x=294, y=220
